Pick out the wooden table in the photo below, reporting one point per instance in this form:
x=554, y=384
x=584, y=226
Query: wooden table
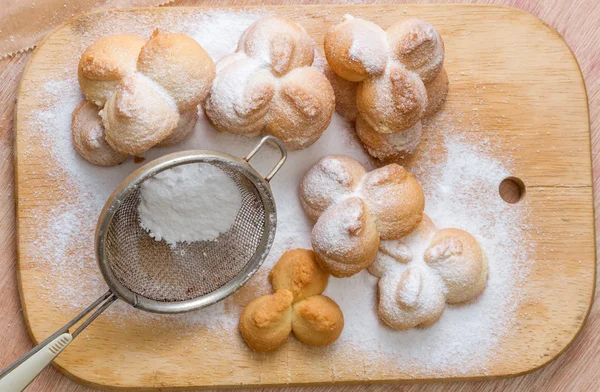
x=576, y=370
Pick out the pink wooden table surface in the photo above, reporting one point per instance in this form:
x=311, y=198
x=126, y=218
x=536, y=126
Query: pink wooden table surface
x=578, y=369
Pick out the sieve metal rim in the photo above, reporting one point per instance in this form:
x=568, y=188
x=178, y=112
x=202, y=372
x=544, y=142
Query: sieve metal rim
x=166, y=162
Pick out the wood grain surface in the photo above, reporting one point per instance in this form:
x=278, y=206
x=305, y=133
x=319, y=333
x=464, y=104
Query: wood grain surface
x=531, y=75
x=573, y=371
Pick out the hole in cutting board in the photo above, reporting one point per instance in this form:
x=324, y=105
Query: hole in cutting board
x=512, y=190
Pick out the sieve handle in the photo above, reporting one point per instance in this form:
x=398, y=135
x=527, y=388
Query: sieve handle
x=273, y=140
x=17, y=376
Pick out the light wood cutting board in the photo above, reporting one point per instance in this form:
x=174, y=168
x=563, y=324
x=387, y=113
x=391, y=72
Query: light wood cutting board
x=540, y=97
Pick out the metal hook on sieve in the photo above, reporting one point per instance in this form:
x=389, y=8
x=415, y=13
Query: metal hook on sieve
x=279, y=145
x=261, y=204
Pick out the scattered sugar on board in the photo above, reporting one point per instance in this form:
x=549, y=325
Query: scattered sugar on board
x=461, y=188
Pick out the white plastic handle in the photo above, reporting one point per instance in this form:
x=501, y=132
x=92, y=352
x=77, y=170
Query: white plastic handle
x=18, y=379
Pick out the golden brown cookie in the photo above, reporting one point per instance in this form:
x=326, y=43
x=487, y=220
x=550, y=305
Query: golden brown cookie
x=317, y=321
x=89, y=138
x=395, y=200
x=386, y=80
x=104, y=63
x=269, y=86
x=345, y=238
x=266, y=322
x=299, y=272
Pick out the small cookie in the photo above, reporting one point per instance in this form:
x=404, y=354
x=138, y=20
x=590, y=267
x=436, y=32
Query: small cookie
x=269, y=86
x=345, y=238
x=317, y=321
x=266, y=321
x=299, y=272
x=327, y=181
x=395, y=199
x=461, y=263
x=89, y=138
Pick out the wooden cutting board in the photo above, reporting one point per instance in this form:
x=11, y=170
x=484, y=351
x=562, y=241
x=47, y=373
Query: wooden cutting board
x=540, y=97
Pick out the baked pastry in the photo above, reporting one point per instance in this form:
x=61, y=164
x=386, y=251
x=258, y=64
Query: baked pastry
x=388, y=147
x=269, y=86
x=104, y=63
x=298, y=271
x=423, y=271
x=395, y=199
x=396, y=254
x=410, y=299
x=317, y=321
x=183, y=130
x=355, y=208
x=345, y=238
x=461, y=263
x=296, y=306
x=138, y=115
x=397, y=76
x=148, y=91
x=328, y=181
x=179, y=65
x=266, y=321
x=89, y=139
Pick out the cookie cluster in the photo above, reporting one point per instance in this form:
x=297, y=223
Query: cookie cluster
x=354, y=209
x=423, y=271
x=139, y=94
x=296, y=306
x=386, y=80
x=269, y=86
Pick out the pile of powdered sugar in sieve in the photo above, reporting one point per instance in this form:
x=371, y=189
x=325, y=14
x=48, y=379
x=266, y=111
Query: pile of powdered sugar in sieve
x=188, y=203
x=461, y=190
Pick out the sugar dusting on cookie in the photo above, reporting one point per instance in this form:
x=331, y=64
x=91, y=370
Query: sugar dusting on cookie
x=461, y=190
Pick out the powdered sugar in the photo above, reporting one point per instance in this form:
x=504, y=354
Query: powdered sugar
x=192, y=202
x=369, y=46
x=459, y=176
x=412, y=283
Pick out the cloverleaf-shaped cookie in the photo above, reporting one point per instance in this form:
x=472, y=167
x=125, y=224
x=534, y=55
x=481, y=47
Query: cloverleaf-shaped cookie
x=354, y=209
x=269, y=86
x=423, y=271
x=386, y=80
x=146, y=92
x=296, y=306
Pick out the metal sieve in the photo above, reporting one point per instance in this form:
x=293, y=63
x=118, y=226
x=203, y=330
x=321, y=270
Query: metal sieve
x=156, y=277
